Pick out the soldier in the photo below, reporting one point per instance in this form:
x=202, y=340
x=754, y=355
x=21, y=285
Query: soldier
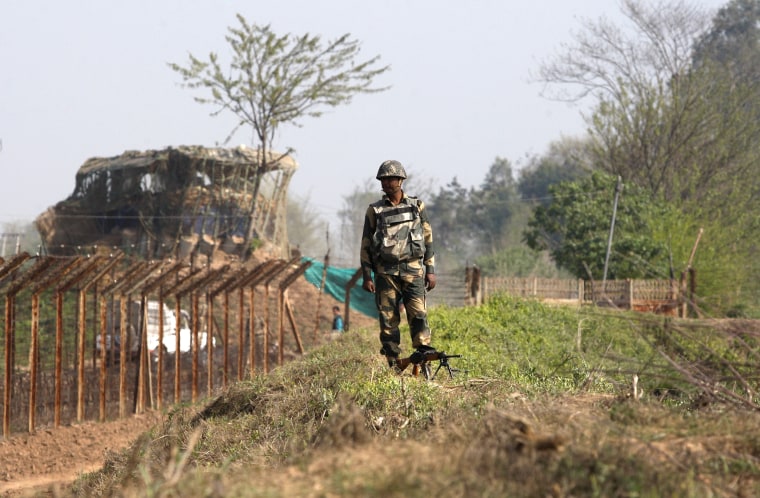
x=397, y=245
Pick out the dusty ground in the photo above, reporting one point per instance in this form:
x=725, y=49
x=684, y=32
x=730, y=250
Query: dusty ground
x=53, y=458
x=33, y=463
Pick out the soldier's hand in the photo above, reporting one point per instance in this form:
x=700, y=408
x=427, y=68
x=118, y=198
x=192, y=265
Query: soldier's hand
x=430, y=281
x=369, y=286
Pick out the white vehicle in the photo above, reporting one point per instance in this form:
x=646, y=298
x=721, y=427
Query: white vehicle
x=171, y=326
x=170, y=336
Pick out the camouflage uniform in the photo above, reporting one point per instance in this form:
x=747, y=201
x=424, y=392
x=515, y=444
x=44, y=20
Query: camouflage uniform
x=397, y=245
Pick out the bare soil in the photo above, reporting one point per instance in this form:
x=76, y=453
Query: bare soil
x=31, y=464
x=51, y=457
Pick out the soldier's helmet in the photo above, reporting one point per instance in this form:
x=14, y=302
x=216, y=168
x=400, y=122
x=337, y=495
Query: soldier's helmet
x=391, y=169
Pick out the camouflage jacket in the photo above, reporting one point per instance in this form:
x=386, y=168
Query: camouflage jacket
x=397, y=240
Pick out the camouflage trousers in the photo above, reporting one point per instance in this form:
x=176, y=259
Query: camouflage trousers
x=390, y=292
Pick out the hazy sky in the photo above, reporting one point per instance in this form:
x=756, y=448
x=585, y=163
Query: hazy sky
x=80, y=79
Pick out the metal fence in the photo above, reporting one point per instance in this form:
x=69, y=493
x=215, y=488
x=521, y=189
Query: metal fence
x=55, y=312
x=450, y=290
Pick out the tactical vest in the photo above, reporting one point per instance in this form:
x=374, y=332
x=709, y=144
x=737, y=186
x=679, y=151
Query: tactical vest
x=398, y=235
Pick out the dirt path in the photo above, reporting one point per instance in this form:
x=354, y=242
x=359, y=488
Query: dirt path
x=56, y=457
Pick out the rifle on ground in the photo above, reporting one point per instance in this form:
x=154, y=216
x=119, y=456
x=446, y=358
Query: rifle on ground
x=421, y=359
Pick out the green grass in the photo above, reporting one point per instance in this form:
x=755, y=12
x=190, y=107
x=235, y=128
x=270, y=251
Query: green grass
x=543, y=406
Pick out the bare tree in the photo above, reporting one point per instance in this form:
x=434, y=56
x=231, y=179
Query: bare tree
x=273, y=80
x=306, y=230
x=607, y=59
x=659, y=120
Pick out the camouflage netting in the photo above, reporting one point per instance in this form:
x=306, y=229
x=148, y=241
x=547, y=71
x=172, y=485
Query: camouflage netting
x=174, y=202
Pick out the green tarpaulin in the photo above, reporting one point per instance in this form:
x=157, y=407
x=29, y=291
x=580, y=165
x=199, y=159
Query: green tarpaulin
x=335, y=285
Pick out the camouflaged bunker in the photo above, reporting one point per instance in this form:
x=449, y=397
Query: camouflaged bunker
x=173, y=203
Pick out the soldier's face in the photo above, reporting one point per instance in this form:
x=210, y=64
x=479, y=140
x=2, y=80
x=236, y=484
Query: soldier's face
x=391, y=184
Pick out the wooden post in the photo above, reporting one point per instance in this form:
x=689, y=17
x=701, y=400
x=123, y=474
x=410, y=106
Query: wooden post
x=209, y=343
x=241, y=332
x=692, y=283
x=59, y=357
x=283, y=303
x=476, y=286
x=266, y=328
x=468, y=286
x=82, y=321
x=10, y=304
x=34, y=347
x=102, y=330
x=226, y=336
x=252, y=331
x=629, y=284
x=194, y=342
x=123, y=335
x=693, y=292
x=281, y=327
x=142, y=351
x=160, y=363
x=177, y=354
x=347, y=309
x=293, y=324
x=319, y=297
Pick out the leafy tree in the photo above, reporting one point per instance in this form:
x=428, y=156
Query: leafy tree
x=450, y=214
x=732, y=48
x=566, y=160
x=272, y=80
x=677, y=106
x=494, y=204
x=730, y=53
x=575, y=228
x=468, y=222
x=306, y=231
x=733, y=40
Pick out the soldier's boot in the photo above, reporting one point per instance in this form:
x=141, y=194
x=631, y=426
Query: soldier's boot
x=393, y=363
x=391, y=353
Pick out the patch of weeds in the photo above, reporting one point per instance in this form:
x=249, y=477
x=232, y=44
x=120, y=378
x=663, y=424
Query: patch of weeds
x=724, y=464
x=624, y=412
x=611, y=471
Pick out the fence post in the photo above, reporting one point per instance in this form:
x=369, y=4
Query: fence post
x=10, y=329
x=629, y=284
x=347, y=310
x=468, y=286
x=472, y=286
x=581, y=292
